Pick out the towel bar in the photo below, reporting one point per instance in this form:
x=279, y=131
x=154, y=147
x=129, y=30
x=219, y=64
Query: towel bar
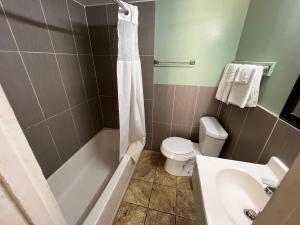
x=174, y=63
x=268, y=66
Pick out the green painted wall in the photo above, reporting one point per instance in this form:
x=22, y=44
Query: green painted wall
x=272, y=33
x=205, y=30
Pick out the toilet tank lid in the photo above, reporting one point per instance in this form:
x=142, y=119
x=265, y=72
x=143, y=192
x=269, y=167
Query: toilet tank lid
x=213, y=128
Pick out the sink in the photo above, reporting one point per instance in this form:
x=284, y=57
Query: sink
x=238, y=191
x=224, y=189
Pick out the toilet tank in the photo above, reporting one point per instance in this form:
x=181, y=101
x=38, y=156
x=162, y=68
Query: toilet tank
x=212, y=136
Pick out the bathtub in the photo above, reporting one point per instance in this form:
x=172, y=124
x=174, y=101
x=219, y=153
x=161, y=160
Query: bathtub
x=89, y=187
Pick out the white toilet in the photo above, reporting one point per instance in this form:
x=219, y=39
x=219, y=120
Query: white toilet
x=181, y=152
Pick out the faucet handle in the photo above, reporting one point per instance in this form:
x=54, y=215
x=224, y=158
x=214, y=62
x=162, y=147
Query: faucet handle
x=270, y=183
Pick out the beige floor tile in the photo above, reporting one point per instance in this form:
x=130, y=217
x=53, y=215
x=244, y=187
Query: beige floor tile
x=145, y=172
x=138, y=192
x=159, y=218
x=184, y=221
x=130, y=214
x=185, y=204
x=152, y=158
x=184, y=183
x=164, y=178
x=163, y=198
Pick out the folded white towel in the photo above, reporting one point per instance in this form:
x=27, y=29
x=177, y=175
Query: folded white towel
x=226, y=82
x=254, y=94
x=244, y=74
x=246, y=94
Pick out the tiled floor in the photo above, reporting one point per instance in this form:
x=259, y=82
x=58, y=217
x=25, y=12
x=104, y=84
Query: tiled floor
x=154, y=197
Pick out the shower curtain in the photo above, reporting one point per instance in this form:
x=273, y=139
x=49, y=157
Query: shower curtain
x=130, y=86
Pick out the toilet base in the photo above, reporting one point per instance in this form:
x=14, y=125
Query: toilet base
x=179, y=168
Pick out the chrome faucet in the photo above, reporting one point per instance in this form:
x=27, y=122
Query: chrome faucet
x=271, y=186
x=270, y=190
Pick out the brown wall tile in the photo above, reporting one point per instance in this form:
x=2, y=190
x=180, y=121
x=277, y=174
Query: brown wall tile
x=160, y=132
x=206, y=104
x=59, y=25
x=6, y=39
x=105, y=75
x=146, y=27
x=72, y=79
x=148, y=145
x=80, y=28
x=88, y=74
x=44, y=74
x=148, y=115
x=283, y=143
x=235, y=121
x=43, y=147
x=96, y=112
x=256, y=131
x=44, y=77
x=179, y=130
x=163, y=102
x=110, y=111
x=18, y=89
x=64, y=134
x=96, y=16
x=28, y=25
x=83, y=122
x=184, y=104
x=147, y=73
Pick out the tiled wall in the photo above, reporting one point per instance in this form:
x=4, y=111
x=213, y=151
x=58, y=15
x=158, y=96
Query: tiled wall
x=255, y=135
x=177, y=110
x=46, y=70
x=102, y=20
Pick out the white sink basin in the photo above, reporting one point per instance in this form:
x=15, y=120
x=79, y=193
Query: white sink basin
x=225, y=188
x=238, y=191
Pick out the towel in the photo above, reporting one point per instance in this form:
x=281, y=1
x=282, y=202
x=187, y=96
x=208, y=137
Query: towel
x=243, y=75
x=246, y=94
x=226, y=82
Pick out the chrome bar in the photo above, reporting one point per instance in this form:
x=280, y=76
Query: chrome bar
x=121, y=5
x=191, y=62
x=268, y=66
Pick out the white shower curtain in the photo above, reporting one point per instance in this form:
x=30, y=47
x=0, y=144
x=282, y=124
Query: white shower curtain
x=130, y=86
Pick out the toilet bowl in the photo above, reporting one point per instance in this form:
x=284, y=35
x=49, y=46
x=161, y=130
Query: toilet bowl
x=181, y=152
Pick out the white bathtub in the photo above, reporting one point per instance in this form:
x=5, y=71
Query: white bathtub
x=89, y=187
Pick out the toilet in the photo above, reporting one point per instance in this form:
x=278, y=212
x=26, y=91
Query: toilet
x=181, y=152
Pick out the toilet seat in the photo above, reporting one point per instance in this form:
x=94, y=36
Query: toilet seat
x=177, y=148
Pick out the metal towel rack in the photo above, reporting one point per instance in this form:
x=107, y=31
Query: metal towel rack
x=268, y=66
x=174, y=63
x=121, y=5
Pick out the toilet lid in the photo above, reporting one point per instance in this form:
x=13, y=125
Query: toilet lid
x=178, y=146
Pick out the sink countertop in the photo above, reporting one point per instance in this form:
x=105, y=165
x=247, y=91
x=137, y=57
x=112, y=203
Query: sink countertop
x=209, y=169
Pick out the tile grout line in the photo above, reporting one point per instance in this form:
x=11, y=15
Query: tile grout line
x=79, y=3
x=172, y=116
x=47, y=53
x=240, y=132
x=267, y=141
x=133, y=1
x=194, y=113
x=94, y=67
x=80, y=69
x=57, y=114
x=60, y=76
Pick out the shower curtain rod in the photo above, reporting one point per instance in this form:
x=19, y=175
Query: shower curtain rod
x=123, y=8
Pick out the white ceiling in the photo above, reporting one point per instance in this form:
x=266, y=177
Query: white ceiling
x=103, y=2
